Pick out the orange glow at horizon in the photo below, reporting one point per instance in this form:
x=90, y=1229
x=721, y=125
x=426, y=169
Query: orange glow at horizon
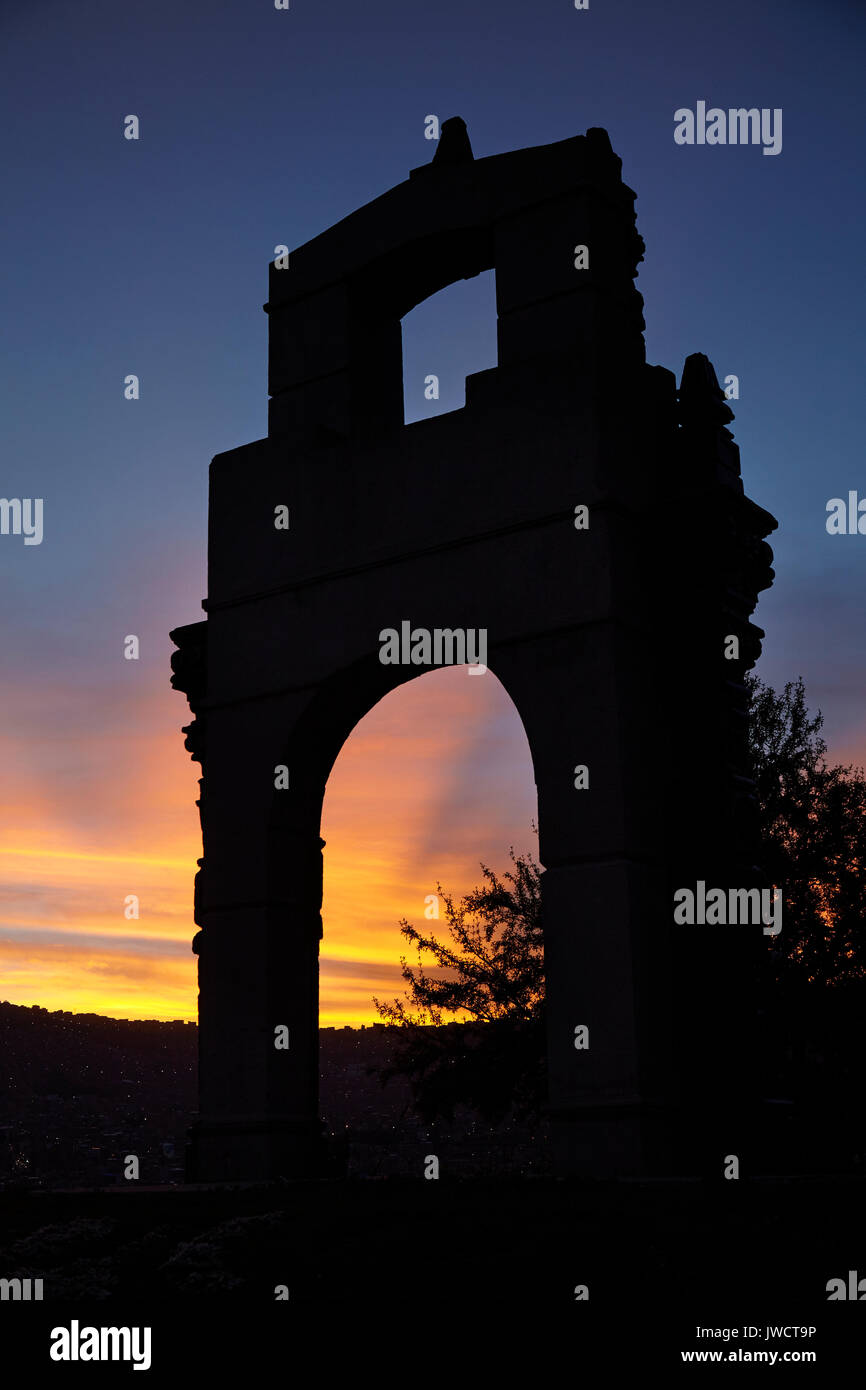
x=435, y=779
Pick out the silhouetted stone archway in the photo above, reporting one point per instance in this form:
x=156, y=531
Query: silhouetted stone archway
x=609, y=637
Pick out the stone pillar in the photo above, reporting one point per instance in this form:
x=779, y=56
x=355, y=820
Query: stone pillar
x=259, y=971
x=583, y=697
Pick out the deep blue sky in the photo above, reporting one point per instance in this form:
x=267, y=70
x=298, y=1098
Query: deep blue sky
x=261, y=126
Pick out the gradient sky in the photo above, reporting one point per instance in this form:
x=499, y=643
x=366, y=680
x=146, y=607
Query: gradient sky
x=260, y=127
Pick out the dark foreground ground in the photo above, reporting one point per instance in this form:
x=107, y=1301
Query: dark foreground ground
x=495, y=1260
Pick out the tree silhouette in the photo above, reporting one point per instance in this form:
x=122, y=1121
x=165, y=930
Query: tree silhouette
x=813, y=844
x=490, y=982
x=813, y=830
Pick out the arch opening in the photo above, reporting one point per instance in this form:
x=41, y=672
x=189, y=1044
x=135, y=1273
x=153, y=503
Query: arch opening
x=434, y=781
x=448, y=336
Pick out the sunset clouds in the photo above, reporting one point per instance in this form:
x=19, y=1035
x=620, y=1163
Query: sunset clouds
x=436, y=778
x=151, y=257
